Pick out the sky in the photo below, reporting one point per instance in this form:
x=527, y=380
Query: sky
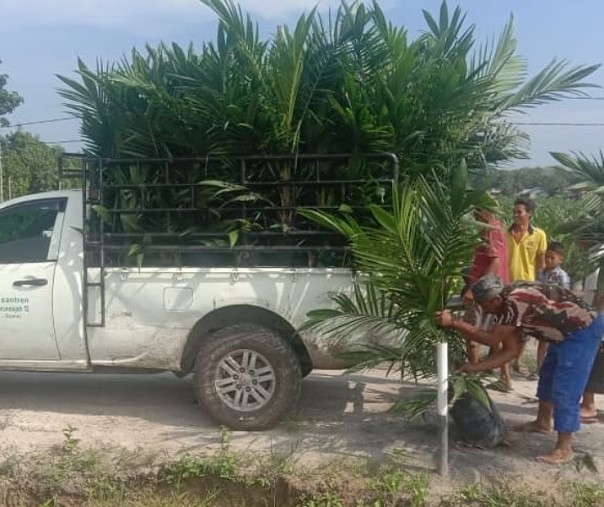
x=42, y=38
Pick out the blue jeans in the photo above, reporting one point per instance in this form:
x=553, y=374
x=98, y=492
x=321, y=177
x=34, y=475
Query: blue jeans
x=565, y=371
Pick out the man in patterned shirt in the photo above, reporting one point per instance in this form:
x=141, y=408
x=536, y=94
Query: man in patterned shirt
x=552, y=314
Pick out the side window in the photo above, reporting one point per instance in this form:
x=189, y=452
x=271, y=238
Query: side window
x=26, y=230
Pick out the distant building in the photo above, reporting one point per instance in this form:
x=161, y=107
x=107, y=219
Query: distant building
x=577, y=191
x=532, y=193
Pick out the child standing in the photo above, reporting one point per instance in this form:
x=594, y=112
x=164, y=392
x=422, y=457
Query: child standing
x=552, y=273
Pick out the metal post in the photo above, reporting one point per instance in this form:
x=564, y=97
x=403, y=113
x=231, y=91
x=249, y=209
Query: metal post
x=442, y=406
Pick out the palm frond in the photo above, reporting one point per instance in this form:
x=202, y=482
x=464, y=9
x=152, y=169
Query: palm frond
x=591, y=169
x=411, y=260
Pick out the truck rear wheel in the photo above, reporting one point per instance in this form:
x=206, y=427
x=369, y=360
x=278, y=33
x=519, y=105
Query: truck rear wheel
x=247, y=377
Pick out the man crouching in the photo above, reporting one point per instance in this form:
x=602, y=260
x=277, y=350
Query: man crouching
x=550, y=313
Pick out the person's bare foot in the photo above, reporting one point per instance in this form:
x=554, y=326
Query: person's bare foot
x=588, y=413
x=520, y=369
x=557, y=457
x=532, y=427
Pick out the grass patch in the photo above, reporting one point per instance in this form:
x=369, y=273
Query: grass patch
x=493, y=495
x=70, y=475
x=394, y=486
x=585, y=495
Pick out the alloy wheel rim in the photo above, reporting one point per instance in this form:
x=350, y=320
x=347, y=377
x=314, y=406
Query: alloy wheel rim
x=245, y=380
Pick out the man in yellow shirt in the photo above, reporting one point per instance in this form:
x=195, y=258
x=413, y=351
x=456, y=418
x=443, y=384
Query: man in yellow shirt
x=526, y=254
x=526, y=244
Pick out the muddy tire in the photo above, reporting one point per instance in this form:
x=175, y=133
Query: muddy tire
x=247, y=377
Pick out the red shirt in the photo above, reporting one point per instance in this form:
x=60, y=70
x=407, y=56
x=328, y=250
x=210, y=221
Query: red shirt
x=493, y=246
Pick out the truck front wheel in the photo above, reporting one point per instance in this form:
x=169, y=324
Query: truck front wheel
x=247, y=377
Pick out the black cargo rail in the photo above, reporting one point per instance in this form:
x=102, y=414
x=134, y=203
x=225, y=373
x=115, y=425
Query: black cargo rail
x=221, y=211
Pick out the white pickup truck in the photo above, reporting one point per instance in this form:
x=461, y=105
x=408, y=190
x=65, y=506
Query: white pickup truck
x=235, y=329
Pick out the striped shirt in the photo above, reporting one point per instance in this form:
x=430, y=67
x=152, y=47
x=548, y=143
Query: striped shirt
x=547, y=312
x=556, y=275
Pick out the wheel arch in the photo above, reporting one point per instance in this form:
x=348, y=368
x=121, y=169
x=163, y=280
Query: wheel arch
x=240, y=314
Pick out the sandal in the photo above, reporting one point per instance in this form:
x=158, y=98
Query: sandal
x=590, y=420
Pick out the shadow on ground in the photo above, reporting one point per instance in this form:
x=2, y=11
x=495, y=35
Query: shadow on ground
x=339, y=416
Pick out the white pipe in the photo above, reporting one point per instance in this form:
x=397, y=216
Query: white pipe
x=442, y=406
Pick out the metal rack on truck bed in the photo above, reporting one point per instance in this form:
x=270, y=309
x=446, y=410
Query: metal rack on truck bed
x=220, y=211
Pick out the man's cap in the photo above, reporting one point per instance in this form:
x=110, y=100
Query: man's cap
x=487, y=288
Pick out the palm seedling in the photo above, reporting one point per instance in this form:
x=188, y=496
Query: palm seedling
x=410, y=262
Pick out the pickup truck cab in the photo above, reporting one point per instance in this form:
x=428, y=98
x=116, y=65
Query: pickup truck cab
x=234, y=328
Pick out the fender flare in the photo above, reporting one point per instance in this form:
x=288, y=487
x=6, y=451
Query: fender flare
x=239, y=314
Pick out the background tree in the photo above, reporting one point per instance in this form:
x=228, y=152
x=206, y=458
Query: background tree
x=29, y=165
x=588, y=229
x=554, y=181
x=9, y=101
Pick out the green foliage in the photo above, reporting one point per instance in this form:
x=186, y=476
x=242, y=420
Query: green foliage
x=497, y=495
x=70, y=443
x=223, y=464
x=328, y=499
x=418, y=404
x=589, y=170
x=463, y=384
x=411, y=260
x=586, y=495
x=29, y=165
x=589, y=228
x=69, y=475
x=349, y=83
x=191, y=467
x=553, y=181
x=69, y=462
x=9, y=101
x=460, y=384
x=557, y=216
x=391, y=483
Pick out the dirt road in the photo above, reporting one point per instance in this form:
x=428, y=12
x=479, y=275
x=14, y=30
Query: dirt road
x=339, y=416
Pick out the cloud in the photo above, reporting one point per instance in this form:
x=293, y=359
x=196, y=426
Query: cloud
x=103, y=13
x=137, y=13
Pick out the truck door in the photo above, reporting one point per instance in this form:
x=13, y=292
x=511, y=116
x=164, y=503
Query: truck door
x=30, y=234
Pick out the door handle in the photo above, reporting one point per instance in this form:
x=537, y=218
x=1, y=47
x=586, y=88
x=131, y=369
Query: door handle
x=32, y=282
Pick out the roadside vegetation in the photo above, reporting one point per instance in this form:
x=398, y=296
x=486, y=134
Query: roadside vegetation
x=71, y=475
